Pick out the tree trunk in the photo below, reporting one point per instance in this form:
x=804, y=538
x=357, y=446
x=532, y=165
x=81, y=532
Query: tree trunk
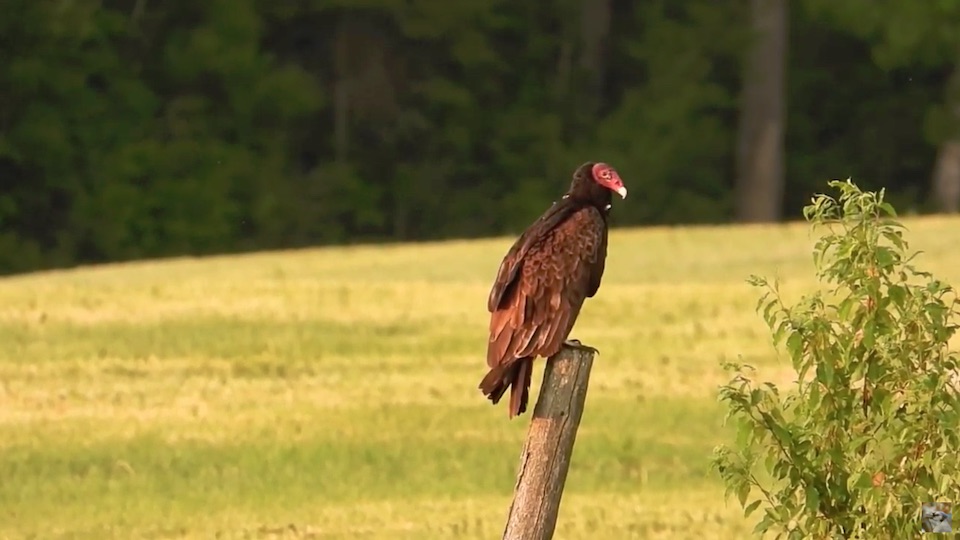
x=594, y=29
x=760, y=152
x=341, y=91
x=139, y=8
x=946, y=177
x=946, y=172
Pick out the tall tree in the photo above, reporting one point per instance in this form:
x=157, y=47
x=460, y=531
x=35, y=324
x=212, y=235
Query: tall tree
x=672, y=88
x=760, y=140
x=914, y=36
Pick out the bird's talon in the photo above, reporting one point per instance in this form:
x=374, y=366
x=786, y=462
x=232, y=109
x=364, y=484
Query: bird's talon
x=575, y=344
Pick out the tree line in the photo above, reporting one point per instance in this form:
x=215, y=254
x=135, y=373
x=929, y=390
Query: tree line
x=131, y=128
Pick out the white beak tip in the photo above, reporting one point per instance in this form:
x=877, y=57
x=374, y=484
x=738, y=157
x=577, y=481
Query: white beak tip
x=622, y=191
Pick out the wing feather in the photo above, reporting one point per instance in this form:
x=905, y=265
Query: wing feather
x=512, y=261
x=534, y=312
x=597, y=265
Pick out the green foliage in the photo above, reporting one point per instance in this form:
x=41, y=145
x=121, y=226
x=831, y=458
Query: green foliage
x=907, y=35
x=902, y=33
x=682, y=142
x=135, y=129
x=868, y=432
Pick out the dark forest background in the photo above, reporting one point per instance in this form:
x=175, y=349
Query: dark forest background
x=143, y=128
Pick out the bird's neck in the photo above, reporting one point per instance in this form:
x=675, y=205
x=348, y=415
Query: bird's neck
x=591, y=195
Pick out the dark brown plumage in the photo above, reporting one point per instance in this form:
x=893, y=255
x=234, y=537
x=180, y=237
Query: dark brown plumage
x=543, y=280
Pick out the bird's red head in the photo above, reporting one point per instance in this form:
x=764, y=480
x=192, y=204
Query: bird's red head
x=607, y=177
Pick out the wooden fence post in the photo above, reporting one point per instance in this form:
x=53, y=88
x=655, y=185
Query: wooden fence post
x=546, y=453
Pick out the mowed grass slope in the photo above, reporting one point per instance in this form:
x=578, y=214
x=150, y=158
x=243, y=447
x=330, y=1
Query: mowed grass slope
x=332, y=393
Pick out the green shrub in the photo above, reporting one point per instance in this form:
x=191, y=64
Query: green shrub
x=868, y=432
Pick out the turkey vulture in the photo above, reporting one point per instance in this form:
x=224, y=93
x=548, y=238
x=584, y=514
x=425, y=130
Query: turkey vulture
x=543, y=280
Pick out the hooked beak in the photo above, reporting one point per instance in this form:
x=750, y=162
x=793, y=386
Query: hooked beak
x=622, y=191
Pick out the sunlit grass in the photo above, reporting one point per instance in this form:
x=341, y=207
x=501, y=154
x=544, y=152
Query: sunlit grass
x=332, y=393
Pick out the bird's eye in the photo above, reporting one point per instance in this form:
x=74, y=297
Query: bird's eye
x=605, y=174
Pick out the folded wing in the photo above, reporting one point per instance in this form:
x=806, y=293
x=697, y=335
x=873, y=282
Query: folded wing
x=542, y=284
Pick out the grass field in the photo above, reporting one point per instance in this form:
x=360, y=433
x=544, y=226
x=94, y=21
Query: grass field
x=332, y=393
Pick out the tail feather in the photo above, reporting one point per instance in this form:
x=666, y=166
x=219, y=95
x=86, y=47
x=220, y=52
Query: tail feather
x=520, y=390
x=496, y=381
x=516, y=376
